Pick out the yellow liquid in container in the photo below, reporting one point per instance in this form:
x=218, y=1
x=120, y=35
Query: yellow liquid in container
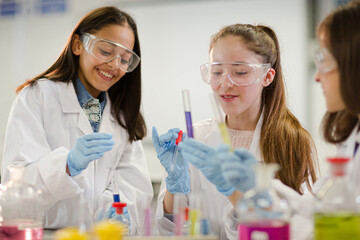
x=194, y=228
x=109, y=230
x=70, y=233
x=337, y=226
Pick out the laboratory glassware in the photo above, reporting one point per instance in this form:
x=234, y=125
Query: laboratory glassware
x=181, y=215
x=262, y=214
x=120, y=217
x=178, y=140
x=187, y=110
x=336, y=213
x=220, y=119
x=21, y=214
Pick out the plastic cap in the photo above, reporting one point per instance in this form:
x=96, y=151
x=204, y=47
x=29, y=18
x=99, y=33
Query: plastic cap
x=338, y=160
x=119, y=207
x=116, y=197
x=178, y=140
x=338, y=165
x=186, y=214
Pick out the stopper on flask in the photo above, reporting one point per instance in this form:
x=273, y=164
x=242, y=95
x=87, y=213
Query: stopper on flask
x=338, y=165
x=119, y=207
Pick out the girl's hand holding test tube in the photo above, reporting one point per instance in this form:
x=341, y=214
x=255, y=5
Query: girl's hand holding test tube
x=178, y=179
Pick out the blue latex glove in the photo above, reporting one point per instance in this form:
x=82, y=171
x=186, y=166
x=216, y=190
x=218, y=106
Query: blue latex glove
x=206, y=159
x=236, y=167
x=178, y=179
x=88, y=148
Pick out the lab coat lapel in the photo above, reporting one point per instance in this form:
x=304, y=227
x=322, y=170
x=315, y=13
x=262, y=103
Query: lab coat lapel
x=70, y=105
x=108, y=121
x=346, y=149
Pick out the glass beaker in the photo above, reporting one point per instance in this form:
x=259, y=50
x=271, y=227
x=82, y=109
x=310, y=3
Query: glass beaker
x=262, y=213
x=336, y=214
x=21, y=215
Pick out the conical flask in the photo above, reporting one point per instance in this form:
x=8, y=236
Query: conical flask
x=336, y=213
x=120, y=217
x=262, y=214
x=20, y=216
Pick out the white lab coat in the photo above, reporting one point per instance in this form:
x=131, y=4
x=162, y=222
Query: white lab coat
x=44, y=123
x=302, y=221
x=218, y=207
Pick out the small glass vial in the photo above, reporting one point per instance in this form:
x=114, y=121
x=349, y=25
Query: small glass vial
x=120, y=217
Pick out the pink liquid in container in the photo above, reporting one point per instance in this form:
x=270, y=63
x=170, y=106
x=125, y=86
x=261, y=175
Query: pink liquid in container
x=21, y=231
x=264, y=230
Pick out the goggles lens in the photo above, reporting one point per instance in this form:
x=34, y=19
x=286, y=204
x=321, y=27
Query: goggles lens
x=107, y=51
x=324, y=60
x=240, y=74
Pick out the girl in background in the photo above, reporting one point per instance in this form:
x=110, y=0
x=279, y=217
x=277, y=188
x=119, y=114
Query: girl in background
x=337, y=71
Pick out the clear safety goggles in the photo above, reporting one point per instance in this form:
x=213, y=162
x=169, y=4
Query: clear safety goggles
x=324, y=60
x=239, y=74
x=107, y=51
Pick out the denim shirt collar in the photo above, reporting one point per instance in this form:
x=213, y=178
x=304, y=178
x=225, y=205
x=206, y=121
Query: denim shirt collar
x=84, y=96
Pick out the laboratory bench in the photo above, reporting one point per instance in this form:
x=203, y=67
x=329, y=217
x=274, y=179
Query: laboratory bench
x=48, y=235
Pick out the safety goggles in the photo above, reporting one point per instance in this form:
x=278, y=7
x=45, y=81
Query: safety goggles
x=107, y=51
x=240, y=74
x=324, y=60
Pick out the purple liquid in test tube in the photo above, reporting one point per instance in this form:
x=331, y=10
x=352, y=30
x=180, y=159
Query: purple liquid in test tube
x=187, y=109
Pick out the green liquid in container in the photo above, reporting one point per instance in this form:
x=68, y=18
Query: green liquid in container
x=336, y=226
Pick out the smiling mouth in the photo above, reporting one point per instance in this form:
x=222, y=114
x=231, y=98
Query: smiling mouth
x=106, y=74
x=228, y=96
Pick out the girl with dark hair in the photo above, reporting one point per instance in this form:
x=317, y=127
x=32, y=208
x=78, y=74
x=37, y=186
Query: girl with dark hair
x=76, y=128
x=245, y=74
x=337, y=70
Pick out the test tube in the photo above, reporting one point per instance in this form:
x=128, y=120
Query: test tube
x=116, y=195
x=195, y=214
x=187, y=109
x=204, y=216
x=85, y=223
x=219, y=117
x=180, y=204
x=178, y=140
x=147, y=221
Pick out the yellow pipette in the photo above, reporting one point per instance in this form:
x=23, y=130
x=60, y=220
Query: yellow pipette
x=219, y=117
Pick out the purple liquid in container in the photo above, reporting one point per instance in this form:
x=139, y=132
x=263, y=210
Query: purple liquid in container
x=189, y=124
x=270, y=230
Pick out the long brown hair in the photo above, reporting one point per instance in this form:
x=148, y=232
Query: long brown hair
x=343, y=39
x=125, y=95
x=283, y=140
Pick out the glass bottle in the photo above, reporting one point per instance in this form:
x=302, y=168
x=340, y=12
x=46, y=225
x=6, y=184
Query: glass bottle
x=336, y=213
x=120, y=217
x=262, y=214
x=20, y=213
